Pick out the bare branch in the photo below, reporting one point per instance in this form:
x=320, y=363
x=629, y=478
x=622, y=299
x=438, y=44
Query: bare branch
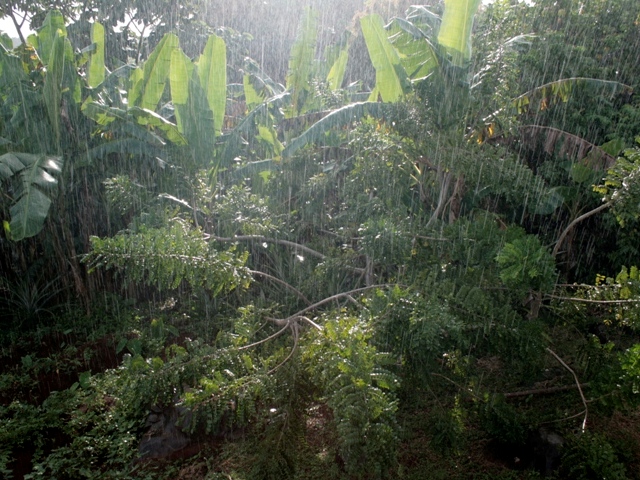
x=574, y=222
x=584, y=400
x=588, y=300
x=543, y=391
x=264, y=340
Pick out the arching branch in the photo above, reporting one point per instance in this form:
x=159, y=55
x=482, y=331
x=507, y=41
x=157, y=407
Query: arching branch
x=582, y=217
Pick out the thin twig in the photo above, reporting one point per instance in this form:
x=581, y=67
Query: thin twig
x=464, y=389
x=338, y=296
x=287, y=243
x=283, y=283
x=584, y=400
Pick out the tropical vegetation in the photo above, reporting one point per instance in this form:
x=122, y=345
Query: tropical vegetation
x=422, y=265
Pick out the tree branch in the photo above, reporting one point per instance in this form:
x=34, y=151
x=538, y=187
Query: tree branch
x=584, y=400
x=574, y=222
x=588, y=300
x=543, y=391
x=287, y=243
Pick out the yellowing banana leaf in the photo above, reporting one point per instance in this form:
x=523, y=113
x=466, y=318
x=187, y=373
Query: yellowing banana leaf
x=391, y=78
x=543, y=97
x=455, y=29
x=566, y=145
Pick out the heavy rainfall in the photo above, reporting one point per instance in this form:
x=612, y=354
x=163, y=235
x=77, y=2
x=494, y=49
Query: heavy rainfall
x=320, y=239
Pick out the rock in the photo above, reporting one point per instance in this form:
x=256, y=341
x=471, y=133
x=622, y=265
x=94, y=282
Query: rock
x=166, y=437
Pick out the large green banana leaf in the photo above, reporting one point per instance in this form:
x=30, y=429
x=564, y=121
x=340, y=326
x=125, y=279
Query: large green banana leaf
x=455, y=30
x=96, y=70
x=301, y=63
x=391, y=78
x=212, y=70
x=335, y=77
x=34, y=178
x=148, y=84
x=417, y=54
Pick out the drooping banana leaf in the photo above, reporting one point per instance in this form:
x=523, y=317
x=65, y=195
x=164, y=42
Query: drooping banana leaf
x=96, y=70
x=336, y=119
x=543, y=97
x=301, y=62
x=566, y=145
x=455, y=30
x=212, y=70
x=34, y=177
x=391, y=79
x=152, y=119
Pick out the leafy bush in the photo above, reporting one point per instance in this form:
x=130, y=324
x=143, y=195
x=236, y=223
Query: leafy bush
x=591, y=457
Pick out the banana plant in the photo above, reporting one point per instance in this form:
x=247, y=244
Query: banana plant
x=30, y=174
x=406, y=53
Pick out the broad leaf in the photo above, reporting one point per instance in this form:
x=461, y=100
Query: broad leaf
x=391, y=79
x=417, y=54
x=96, y=70
x=31, y=206
x=301, y=62
x=212, y=70
x=335, y=76
x=151, y=84
x=47, y=33
x=455, y=30
x=152, y=119
x=53, y=83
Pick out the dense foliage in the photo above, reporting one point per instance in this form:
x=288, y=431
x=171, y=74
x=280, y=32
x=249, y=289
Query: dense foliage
x=214, y=270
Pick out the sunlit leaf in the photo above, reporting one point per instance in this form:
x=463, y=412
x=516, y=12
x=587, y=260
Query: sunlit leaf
x=212, y=69
x=455, y=30
x=96, y=70
x=391, y=79
x=301, y=61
